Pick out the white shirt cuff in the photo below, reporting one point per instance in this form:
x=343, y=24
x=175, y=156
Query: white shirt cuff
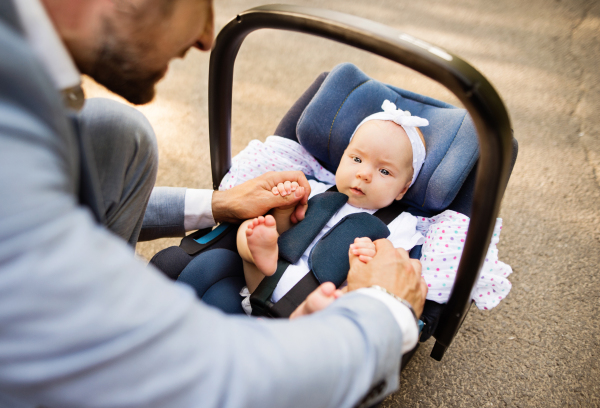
x=402, y=314
x=197, y=213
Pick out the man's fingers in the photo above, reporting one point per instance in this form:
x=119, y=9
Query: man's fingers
x=300, y=211
x=424, y=288
x=383, y=245
x=416, y=265
x=403, y=254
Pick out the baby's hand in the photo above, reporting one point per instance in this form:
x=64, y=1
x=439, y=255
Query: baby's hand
x=285, y=188
x=364, y=248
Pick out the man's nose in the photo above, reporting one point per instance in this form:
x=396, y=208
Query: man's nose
x=207, y=36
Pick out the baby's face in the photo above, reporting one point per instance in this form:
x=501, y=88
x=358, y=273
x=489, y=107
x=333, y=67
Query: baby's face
x=376, y=167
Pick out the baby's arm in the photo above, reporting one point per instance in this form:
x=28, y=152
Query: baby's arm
x=282, y=214
x=364, y=248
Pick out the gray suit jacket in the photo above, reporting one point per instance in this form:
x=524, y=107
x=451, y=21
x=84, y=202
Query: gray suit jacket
x=83, y=323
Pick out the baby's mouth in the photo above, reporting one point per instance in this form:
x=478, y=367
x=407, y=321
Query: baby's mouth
x=356, y=191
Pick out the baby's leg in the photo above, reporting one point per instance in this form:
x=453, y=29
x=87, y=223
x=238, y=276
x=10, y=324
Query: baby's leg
x=257, y=245
x=319, y=299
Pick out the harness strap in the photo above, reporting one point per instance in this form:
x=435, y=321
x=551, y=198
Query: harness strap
x=261, y=297
x=295, y=296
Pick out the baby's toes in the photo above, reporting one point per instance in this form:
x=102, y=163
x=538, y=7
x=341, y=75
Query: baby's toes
x=295, y=185
x=269, y=221
x=281, y=189
x=275, y=191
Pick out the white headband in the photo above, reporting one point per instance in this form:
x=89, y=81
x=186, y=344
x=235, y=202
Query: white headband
x=409, y=124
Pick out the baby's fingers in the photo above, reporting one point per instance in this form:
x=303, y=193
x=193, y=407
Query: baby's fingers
x=365, y=240
x=364, y=251
x=364, y=244
x=364, y=258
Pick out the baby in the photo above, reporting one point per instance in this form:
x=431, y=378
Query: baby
x=381, y=162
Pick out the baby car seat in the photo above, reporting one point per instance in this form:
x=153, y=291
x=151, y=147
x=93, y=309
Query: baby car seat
x=322, y=120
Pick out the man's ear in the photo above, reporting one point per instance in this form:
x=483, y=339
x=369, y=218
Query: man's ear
x=404, y=190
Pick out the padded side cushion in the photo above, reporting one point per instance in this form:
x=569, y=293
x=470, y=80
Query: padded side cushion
x=348, y=95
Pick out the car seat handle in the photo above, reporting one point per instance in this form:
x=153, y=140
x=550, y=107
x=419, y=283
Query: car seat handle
x=478, y=96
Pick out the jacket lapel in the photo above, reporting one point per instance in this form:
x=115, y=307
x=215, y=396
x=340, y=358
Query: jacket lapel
x=8, y=15
x=90, y=193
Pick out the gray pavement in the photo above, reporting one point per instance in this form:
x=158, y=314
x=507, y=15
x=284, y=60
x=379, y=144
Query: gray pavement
x=540, y=346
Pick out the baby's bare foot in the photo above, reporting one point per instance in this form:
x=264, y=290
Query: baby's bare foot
x=319, y=299
x=262, y=242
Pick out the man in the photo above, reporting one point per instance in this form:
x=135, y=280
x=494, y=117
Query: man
x=83, y=323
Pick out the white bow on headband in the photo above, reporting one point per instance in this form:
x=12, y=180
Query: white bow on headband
x=402, y=118
x=409, y=123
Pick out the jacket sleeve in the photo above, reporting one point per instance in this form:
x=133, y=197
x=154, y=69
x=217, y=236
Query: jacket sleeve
x=86, y=324
x=164, y=215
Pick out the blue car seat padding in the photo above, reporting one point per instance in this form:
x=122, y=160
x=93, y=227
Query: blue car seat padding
x=328, y=260
x=293, y=242
x=217, y=277
x=347, y=96
x=452, y=150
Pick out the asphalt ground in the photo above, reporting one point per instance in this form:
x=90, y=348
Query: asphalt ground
x=540, y=346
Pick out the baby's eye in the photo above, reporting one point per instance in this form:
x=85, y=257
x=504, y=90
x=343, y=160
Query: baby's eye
x=357, y=159
x=384, y=172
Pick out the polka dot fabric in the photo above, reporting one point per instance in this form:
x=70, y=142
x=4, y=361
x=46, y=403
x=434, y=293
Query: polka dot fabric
x=275, y=154
x=445, y=236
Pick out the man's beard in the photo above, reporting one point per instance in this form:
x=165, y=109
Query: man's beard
x=120, y=68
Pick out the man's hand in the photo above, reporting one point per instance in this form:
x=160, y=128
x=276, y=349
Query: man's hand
x=392, y=269
x=255, y=197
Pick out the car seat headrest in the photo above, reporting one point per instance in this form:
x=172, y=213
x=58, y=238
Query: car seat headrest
x=347, y=96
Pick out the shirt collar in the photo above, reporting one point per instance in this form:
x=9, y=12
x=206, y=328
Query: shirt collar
x=49, y=48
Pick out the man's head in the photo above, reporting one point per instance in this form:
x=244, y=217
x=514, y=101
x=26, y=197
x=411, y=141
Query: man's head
x=126, y=45
x=376, y=167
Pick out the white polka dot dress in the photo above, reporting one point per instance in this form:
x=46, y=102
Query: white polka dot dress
x=445, y=236
x=275, y=154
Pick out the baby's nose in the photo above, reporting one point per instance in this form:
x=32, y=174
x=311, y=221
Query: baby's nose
x=364, y=175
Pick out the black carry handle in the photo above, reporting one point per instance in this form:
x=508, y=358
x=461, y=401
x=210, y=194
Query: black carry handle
x=470, y=87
